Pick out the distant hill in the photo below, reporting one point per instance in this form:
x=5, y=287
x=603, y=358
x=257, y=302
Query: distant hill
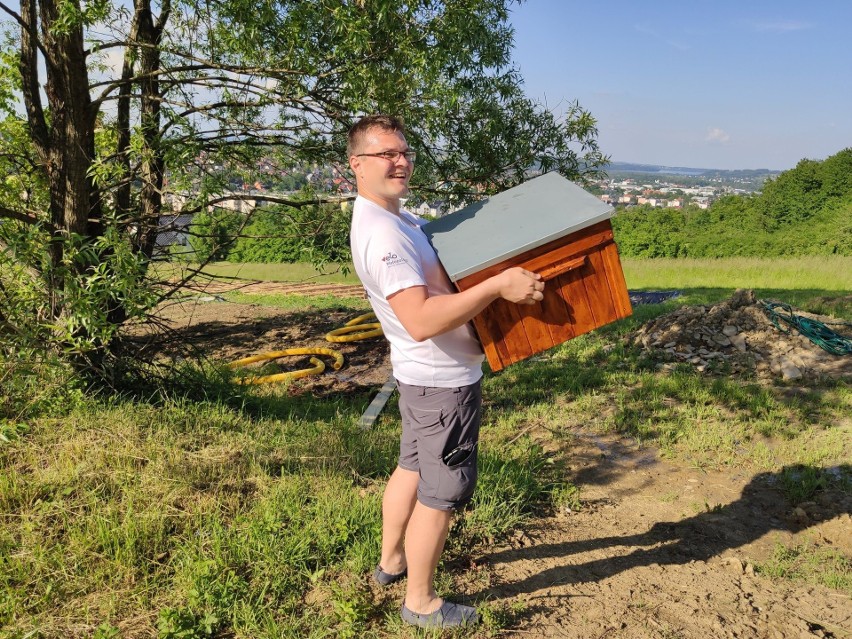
x=630, y=167
x=806, y=210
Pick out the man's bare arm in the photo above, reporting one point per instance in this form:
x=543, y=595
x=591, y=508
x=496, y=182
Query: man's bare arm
x=425, y=317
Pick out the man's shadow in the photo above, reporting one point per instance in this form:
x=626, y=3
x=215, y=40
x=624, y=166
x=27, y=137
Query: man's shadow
x=761, y=508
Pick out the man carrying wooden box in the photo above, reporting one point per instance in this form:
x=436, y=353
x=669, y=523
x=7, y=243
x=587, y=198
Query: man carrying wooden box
x=437, y=362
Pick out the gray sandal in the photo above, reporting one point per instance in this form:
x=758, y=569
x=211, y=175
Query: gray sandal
x=449, y=615
x=385, y=578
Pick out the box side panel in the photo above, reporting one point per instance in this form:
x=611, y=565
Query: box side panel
x=535, y=328
x=513, y=331
x=556, y=313
x=617, y=284
x=573, y=291
x=501, y=332
x=597, y=288
x=584, y=290
x=495, y=350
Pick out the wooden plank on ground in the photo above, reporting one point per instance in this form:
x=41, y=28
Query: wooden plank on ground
x=372, y=413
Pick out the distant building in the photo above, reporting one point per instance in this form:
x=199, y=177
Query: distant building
x=173, y=231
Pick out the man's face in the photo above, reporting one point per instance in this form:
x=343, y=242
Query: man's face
x=379, y=179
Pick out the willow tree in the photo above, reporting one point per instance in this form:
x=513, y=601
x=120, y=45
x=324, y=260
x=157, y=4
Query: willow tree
x=108, y=110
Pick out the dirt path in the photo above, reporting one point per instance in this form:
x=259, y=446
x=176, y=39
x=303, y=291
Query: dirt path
x=657, y=551
x=661, y=551
x=217, y=287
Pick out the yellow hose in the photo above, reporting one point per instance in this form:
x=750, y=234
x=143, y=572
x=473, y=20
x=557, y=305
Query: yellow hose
x=357, y=328
x=318, y=366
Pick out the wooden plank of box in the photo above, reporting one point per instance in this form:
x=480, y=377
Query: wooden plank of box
x=550, y=226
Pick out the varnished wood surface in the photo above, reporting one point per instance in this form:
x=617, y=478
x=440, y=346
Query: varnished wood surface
x=584, y=290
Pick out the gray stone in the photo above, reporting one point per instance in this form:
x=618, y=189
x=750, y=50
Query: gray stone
x=739, y=343
x=730, y=330
x=790, y=370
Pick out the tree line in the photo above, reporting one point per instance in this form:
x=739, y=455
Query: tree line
x=806, y=210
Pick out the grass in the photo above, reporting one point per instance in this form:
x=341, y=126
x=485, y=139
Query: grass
x=828, y=273
x=301, y=303
x=188, y=519
x=818, y=273
x=809, y=563
x=256, y=512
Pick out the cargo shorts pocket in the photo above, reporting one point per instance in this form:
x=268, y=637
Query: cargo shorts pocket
x=457, y=474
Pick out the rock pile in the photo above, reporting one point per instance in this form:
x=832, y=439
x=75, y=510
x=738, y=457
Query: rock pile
x=736, y=335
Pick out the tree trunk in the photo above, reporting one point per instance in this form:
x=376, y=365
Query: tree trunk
x=75, y=206
x=153, y=166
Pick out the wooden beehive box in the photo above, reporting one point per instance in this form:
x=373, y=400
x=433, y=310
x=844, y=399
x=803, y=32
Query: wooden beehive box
x=553, y=227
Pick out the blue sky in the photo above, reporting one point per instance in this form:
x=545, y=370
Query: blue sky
x=726, y=84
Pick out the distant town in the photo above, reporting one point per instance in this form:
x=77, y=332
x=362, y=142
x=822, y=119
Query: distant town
x=659, y=186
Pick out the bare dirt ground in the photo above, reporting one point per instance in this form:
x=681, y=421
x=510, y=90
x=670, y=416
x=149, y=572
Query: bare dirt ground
x=663, y=551
x=658, y=550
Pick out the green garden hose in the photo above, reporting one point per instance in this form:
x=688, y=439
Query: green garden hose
x=818, y=332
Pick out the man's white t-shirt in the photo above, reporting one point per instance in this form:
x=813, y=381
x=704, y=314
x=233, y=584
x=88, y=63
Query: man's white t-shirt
x=391, y=253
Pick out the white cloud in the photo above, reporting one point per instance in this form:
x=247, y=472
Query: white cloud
x=717, y=135
x=782, y=26
x=649, y=31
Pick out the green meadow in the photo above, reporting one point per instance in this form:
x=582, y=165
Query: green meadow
x=255, y=512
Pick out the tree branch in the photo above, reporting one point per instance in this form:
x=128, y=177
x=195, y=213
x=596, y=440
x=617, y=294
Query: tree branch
x=34, y=275
x=26, y=216
x=296, y=204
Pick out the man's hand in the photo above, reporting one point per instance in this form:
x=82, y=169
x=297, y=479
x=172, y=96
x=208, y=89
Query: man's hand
x=520, y=286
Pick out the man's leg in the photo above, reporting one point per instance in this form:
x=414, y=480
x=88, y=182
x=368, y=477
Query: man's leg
x=437, y=421
x=424, y=542
x=397, y=506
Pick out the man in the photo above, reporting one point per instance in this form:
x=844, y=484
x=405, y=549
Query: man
x=436, y=361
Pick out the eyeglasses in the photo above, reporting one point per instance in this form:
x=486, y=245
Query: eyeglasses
x=393, y=156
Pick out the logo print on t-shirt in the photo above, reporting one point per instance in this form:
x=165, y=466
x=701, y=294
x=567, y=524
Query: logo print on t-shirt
x=392, y=259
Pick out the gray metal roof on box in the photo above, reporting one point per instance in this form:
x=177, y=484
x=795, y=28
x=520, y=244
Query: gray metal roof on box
x=512, y=222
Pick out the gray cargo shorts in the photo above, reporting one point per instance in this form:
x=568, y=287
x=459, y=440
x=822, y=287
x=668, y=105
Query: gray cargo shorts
x=440, y=437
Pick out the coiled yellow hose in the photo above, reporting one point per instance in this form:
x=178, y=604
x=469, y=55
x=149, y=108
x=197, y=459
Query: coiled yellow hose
x=357, y=329
x=352, y=331
x=318, y=365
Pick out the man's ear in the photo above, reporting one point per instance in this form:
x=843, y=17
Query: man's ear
x=354, y=164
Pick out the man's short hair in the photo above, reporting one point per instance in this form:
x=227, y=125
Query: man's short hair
x=387, y=123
